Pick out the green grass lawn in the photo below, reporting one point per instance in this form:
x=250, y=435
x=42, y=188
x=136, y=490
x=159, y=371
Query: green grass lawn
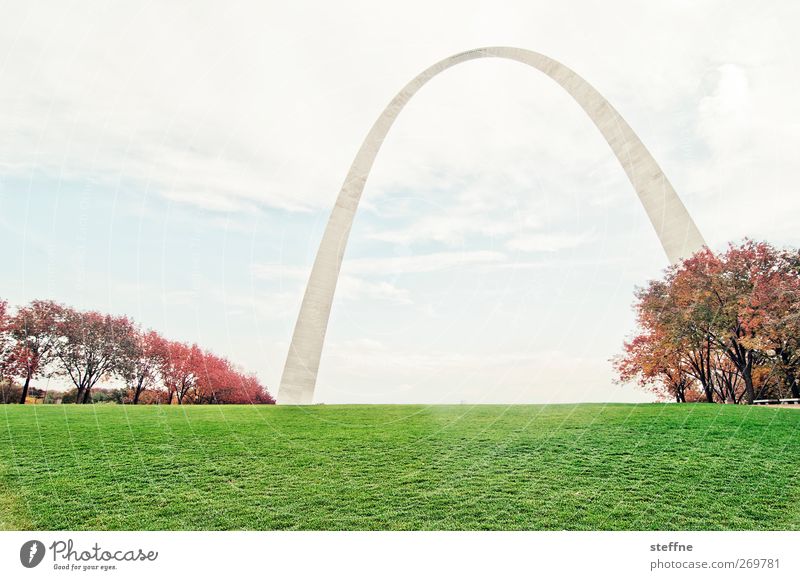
x=577, y=467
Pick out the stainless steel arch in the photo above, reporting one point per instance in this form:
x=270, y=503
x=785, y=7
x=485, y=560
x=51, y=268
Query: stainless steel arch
x=675, y=229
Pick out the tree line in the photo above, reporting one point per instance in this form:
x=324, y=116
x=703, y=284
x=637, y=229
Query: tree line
x=47, y=339
x=719, y=327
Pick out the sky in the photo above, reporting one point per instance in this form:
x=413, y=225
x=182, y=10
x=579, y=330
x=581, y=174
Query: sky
x=177, y=161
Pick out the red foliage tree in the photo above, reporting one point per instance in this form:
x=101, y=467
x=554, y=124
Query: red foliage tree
x=656, y=364
x=34, y=331
x=250, y=390
x=88, y=347
x=93, y=346
x=219, y=382
x=178, y=368
x=729, y=321
x=6, y=343
x=146, y=358
x=213, y=374
x=771, y=315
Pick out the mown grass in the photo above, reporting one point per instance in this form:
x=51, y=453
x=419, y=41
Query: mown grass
x=576, y=467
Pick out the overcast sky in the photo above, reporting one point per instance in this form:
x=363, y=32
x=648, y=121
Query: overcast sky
x=176, y=162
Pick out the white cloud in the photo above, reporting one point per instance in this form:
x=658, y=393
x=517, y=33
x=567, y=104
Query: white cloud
x=434, y=262
x=349, y=287
x=355, y=284
x=223, y=113
x=352, y=288
x=279, y=272
x=549, y=242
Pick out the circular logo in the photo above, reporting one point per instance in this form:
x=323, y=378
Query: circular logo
x=31, y=553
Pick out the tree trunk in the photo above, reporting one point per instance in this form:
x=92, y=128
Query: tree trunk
x=87, y=395
x=138, y=391
x=181, y=393
x=747, y=375
x=25, y=388
x=169, y=400
x=742, y=359
x=709, y=391
x=708, y=384
x=79, y=396
x=790, y=379
x=701, y=364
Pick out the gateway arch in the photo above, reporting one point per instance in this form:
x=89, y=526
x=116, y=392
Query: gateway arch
x=673, y=225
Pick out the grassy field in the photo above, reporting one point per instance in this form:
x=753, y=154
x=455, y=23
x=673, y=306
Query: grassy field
x=578, y=467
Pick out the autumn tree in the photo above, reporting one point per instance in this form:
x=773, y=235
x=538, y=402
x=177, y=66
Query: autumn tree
x=730, y=320
x=218, y=381
x=664, y=316
x=656, y=364
x=48, y=339
x=145, y=360
x=733, y=279
x=249, y=390
x=93, y=346
x=6, y=342
x=179, y=369
x=214, y=375
x=8, y=390
x=772, y=317
x=35, y=334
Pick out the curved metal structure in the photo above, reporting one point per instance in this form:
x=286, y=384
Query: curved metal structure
x=674, y=227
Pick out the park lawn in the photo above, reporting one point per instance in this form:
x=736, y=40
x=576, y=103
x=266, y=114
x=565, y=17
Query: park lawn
x=531, y=467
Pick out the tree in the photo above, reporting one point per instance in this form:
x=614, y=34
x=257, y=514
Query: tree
x=732, y=286
x=9, y=391
x=242, y=389
x=6, y=342
x=657, y=364
x=662, y=315
x=741, y=290
x=251, y=391
x=772, y=317
x=93, y=346
x=215, y=376
x=146, y=358
x=34, y=330
x=219, y=382
x=46, y=338
x=179, y=369
x=731, y=321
